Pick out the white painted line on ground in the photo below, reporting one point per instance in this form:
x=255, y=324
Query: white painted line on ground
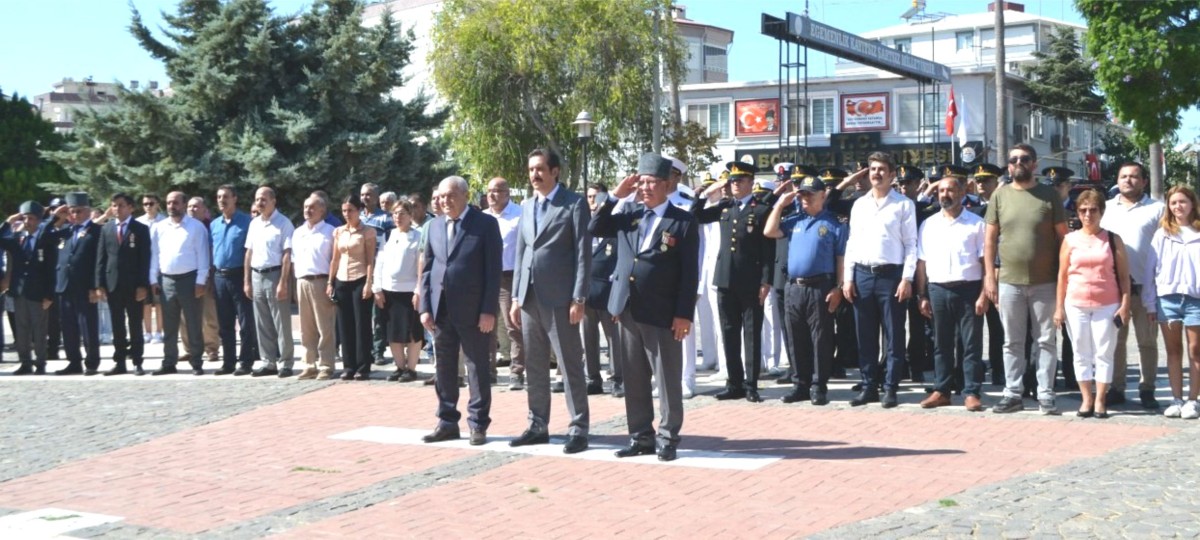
x=595, y=452
x=50, y=523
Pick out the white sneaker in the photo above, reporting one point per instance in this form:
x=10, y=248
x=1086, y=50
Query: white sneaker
x=1174, y=410
x=156, y=338
x=719, y=376
x=1190, y=411
x=688, y=393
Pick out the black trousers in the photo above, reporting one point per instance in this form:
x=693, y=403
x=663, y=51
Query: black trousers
x=80, y=321
x=127, y=338
x=354, y=325
x=449, y=341
x=920, y=341
x=741, y=321
x=810, y=327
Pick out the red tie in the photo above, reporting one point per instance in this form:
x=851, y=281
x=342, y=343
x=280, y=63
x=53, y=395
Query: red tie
x=120, y=231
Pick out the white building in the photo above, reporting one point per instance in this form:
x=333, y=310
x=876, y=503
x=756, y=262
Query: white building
x=860, y=108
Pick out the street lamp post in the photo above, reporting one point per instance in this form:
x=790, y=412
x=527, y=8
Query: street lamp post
x=583, y=123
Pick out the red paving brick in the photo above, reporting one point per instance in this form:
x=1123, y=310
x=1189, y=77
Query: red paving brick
x=840, y=466
x=246, y=466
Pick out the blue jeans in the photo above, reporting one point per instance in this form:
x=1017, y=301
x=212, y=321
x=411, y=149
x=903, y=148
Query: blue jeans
x=875, y=307
x=954, y=321
x=233, y=305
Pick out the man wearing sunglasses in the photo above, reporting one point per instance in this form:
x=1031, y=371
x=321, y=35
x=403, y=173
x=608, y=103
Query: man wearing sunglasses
x=1025, y=225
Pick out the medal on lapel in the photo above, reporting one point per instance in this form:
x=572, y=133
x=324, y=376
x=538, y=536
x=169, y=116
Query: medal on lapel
x=668, y=242
x=41, y=255
x=62, y=243
x=750, y=223
x=132, y=240
x=608, y=250
x=82, y=233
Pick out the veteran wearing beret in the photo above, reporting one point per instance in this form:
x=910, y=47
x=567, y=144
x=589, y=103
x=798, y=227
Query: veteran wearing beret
x=33, y=254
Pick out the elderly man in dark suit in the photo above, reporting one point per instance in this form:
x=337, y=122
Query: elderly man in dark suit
x=33, y=254
x=459, y=301
x=550, y=288
x=654, y=295
x=123, y=278
x=75, y=286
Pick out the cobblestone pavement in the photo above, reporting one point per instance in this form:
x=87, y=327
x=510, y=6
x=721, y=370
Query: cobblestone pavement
x=221, y=457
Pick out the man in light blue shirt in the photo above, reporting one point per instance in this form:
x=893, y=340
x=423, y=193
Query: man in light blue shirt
x=228, y=233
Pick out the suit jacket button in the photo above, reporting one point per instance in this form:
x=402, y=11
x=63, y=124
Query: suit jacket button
x=631, y=278
x=733, y=248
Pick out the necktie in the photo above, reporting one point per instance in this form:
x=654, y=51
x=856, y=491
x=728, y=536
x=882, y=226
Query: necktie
x=647, y=229
x=451, y=230
x=540, y=215
x=120, y=233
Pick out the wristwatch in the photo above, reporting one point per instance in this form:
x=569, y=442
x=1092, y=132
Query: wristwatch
x=581, y=300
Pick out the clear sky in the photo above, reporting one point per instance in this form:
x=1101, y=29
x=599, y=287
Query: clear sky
x=46, y=40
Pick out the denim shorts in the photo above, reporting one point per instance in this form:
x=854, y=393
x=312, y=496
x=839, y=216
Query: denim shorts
x=1179, y=307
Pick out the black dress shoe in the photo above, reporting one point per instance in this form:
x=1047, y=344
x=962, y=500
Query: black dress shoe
x=531, y=436
x=1113, y=397
x=730, y=393
x=395, y=375
x=478, y=437
x=575, y=444
x=1102, y=415
x=856, y=388
x=618, y=390
x=241, y=371
x=786, y=379
x=362, y=376
x=1084, y=414
x=285, y=373
x=347, y=376
x=666, y=453
x=408, y=375
x=197, y=372
x=441, y=434
x=819, y=397
x=1147, y=399
x=865, y=397
x=137, y=370
x=796, y=396
x=165, y=370
x=557, y=387
x=595, y=388
x=90, y=372
x=224, y=371
x=752, y=396
x=889, y=399
x=635, y=448
x=23, y=370
x=70, y=370
x=263, y=372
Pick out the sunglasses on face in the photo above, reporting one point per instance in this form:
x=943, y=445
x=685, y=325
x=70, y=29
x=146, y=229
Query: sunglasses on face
x=1088, y=210
x=1020, y=159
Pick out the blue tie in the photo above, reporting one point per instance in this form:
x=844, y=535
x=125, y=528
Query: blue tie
x=539, y=220
x=647, y=227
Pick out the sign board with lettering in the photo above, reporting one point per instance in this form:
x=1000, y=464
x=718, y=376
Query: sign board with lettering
x=846, y=149
x=866, y=112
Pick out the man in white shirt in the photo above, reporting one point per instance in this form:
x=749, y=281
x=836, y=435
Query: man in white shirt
x=881, y=258
x=269, y=258
x=508, y=215
x=312, y=250
x=1134, y=216
x=950, y=285
x=179, y=262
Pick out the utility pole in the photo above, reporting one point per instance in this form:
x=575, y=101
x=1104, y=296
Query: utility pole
x=656, y=106
x=1001, y=101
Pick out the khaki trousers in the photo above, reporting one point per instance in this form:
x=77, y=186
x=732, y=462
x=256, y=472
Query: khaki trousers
x=317, y=316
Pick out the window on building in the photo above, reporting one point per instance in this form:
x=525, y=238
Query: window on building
x=904, y=45
x=913, y=116
x=963, y=40
x=713, y=116
x=1036, y=124
x=821, y=116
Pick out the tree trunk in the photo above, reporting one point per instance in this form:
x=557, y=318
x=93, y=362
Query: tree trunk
x=532, y=114
x=656, y=106
x=1002, y=144
x=1156, y=170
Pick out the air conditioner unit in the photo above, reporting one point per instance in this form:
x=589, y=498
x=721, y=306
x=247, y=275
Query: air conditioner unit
x=1022, y=132
x=1059, y=142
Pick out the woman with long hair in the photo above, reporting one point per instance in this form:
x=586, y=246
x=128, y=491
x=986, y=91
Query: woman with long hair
x=1172, y=294
x=351, y=272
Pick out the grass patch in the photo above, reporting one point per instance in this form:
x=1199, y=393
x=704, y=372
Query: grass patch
x=947, y=503
x=59, y=518
x=314, y=469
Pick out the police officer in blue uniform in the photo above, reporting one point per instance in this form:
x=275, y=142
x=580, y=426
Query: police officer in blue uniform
x=33, y=255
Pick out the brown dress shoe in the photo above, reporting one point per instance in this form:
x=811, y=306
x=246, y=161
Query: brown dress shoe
x=934, y=400
x=973, y=403
x=308, y=373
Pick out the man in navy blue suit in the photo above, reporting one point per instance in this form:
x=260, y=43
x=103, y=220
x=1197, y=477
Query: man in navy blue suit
x=654, y=295
x=459, y=302
x=123, y=279
x=33, y=257
x=76, y=286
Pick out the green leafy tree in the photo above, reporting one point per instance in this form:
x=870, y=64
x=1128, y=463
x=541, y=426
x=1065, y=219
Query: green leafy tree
x=1061, y=83
x=23, y=136
x=297, y=101
x=691, y=144
x=518, y=72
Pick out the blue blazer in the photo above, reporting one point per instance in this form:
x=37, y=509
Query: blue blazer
x=461, y=283
x=77, y=258
x=123, y=266
x=657, y=284
x=33, y=264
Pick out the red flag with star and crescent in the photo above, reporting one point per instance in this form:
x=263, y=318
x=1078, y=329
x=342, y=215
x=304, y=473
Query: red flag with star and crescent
x=951, y=113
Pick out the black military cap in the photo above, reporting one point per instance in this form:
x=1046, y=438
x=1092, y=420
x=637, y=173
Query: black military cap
x=984, y=170
x=833, y=174
x=737, y=168
x=804, y=171
x=1058, y=175
x=909, y=173
x=955, y=171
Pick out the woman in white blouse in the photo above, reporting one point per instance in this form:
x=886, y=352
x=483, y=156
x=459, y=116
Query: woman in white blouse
x=394, y=286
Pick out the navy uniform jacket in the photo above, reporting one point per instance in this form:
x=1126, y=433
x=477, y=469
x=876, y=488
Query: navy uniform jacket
x=747, y=258
x=604, y=264
x=126, y=266
x=76, y=269
x=659, y=283
x=33, y=265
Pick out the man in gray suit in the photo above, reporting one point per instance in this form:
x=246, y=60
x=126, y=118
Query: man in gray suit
x=551, y=280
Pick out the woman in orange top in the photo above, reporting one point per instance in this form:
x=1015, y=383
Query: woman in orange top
x=350, y=275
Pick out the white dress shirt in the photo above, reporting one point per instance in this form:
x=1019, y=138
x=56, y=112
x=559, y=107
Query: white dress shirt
x=952, y=248
x=179, y=248
x=312, y=249
x=1135, y=224
x=509, y=218
x=882, y=231
x=268, y=239
x=396, y=268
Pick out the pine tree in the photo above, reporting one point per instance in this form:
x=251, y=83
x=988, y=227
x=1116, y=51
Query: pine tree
x=23, y=137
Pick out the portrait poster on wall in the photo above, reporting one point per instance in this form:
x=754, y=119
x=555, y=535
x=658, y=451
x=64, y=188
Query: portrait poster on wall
x=866, y=112
x=757, y=117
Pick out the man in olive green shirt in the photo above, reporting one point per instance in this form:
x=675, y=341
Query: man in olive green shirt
x=1025, y=224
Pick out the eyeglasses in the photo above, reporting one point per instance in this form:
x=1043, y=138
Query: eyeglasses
x=649, y=181
x=1025, y=158
x=1087, y=210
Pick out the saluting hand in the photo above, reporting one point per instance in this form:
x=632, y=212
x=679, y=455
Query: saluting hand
x=627, y=186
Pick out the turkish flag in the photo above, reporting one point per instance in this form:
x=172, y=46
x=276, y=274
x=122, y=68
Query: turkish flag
x=951, y=113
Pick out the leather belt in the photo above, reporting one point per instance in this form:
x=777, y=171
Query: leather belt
x=315, y=277
x=877, y=269
x=266, y=270
x=226, y=272
x=812, y=280
x=956, y=284
x=178, y=276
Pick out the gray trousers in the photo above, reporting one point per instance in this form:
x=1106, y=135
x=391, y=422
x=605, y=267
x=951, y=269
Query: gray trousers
x=29, y=330
x=544, y=329
x=1032, y=305
x=1146, y=334
x=593, y=321
x=179, y=297
x=272, y=320
x=650, y=350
